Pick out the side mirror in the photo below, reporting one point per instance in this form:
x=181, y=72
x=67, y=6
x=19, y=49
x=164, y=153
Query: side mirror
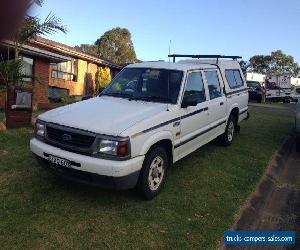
x=189, y=100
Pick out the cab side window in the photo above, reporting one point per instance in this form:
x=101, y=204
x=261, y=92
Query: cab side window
x=195, y=87
x=233, y=77
x=213, y=84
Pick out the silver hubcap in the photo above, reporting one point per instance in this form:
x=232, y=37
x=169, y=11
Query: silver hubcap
x=156, y=173
x=230, y=131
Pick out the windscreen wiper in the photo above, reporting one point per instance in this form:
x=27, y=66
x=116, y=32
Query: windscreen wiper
x=117, y=94
x=153, y=99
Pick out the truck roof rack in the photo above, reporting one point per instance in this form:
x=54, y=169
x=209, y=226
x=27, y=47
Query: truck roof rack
x=204, y=56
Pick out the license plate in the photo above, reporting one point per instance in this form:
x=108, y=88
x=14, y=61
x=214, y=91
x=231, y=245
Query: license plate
x=59, y=161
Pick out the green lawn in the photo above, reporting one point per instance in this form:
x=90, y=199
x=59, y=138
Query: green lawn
x=276, y=105
x=203, y=193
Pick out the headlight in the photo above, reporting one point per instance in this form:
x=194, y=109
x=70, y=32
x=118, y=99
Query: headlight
x=39, y=129
x=115, y=148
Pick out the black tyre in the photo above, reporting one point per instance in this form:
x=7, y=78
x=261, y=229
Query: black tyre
x=227, y=137
x=153, y=174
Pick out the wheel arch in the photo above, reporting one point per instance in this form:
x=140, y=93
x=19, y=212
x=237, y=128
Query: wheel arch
x=236, y=112
x=161, y=139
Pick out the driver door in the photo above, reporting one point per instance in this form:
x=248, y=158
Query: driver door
x=194, y=119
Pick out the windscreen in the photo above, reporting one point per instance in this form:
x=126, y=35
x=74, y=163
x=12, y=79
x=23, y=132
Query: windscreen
x=148, y=84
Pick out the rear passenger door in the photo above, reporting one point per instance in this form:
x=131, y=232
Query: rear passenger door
x=217, y=103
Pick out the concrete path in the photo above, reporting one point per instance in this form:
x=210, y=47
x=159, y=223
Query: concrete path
x=275, y=203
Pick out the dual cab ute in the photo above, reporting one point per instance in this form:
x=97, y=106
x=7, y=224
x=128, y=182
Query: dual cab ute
x=150, y=116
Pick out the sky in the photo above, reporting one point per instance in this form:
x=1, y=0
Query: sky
x=226, y=27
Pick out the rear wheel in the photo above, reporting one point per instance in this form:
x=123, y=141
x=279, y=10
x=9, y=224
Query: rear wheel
x=153, y=173
x=228, y=135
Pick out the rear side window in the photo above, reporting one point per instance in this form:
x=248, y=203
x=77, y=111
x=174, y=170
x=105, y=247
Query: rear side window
x=213, y=84
x=234, y=78
x=195, y=87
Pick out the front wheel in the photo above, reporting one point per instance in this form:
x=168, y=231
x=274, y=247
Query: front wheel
x=228, y=135
x=153, y=173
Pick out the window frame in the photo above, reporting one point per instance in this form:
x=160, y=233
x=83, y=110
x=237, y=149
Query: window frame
x=180, y=99
x=182, y=82
x=57, y=88
x=219, y=80
x=75, y=74
x=185, y=85
x=237, y=86
x=28, y=78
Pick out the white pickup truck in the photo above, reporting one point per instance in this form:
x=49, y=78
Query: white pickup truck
x=150, y=116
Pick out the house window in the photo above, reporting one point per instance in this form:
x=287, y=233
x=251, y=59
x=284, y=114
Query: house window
x=56, y=94
x=27, y=68
x=66, y=71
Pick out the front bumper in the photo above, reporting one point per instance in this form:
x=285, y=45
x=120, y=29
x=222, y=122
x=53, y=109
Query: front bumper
x=90, y=170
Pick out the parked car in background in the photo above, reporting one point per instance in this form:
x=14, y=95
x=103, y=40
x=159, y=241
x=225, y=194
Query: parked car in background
x=297, y=124
x=150, y=116
x=278, y=88
x=295, y=94
x=256, y=91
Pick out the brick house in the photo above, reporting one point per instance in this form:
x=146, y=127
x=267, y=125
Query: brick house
x=62, y=69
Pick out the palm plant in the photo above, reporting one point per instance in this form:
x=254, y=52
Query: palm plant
x=11, y=71
x=34, y=26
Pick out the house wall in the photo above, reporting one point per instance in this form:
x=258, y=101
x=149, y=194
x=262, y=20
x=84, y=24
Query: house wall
x=2, y=99
x=91, y=78
x=42, y=72
x=76, y=88
x=85, y=83
x=256, y=77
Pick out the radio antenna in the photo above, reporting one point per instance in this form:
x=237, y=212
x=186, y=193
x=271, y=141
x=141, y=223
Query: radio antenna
x=168, y=90
x=170, y=48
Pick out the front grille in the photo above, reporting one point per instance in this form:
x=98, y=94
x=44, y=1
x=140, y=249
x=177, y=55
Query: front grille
x=69, y=138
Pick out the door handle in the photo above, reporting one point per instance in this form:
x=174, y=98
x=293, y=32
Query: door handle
x=221, y=103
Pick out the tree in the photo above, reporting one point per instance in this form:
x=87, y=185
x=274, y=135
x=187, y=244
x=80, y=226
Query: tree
x=88, y=48
x=283, y=64
x=260, y=63
x=116, y=45
x=33, y=26
x=245, y=65
x=30, y=28
x=11, y=71
x=277, y=63
x=103, y=78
